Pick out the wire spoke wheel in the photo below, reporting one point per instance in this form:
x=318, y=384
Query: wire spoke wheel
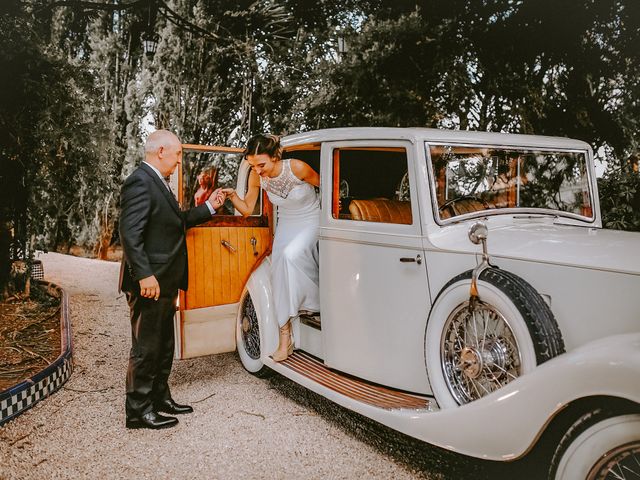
x=479, y=352
x=472, y=350
x=248, y=338
x=250, y=329
x=620, y=463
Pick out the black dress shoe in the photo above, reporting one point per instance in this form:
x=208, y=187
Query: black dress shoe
x=151, y=420
x=169, y=406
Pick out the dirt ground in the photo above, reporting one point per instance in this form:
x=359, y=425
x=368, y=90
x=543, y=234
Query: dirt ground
x=114, y=253
x=29, y=336
x=242, y=427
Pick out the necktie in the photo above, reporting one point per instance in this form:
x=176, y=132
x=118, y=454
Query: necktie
x=168, y=185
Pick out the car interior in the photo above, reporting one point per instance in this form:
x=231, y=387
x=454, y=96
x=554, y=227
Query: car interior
x=371, y=185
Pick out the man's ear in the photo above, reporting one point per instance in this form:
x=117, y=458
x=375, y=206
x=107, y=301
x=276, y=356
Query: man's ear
x=160, y=151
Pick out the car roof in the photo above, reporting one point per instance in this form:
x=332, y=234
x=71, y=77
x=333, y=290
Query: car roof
x=434, y=135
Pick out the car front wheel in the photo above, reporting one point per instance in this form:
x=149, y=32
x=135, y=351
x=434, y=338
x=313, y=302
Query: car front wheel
x=473, y=349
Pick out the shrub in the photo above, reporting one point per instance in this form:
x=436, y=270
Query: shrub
x=620, y=199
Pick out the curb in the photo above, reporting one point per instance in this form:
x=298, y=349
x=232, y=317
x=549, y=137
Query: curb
x=26, y=394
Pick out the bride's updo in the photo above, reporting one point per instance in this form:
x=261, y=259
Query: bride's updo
x=264, y=143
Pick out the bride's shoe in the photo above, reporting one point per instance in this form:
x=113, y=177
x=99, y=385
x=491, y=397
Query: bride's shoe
x=285, y=346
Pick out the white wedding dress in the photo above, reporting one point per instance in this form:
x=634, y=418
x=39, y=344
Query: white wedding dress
x=294, y=257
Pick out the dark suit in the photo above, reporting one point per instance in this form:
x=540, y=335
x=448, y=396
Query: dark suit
x=152, y=233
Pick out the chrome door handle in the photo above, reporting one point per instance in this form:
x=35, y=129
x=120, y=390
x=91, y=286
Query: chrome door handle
x=254, y=242
x=418, y=259
x=228, y=245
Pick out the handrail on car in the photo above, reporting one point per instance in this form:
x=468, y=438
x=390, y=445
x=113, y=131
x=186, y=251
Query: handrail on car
x=211, y=148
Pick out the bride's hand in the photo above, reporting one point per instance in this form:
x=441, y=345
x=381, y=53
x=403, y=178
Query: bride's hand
x=229, y=192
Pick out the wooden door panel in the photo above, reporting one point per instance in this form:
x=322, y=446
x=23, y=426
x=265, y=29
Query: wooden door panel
x=216, y=273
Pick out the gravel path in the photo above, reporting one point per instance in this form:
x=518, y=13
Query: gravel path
x=242, y=427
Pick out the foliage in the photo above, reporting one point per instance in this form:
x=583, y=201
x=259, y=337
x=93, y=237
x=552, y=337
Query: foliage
x=496, y=65
x=620, y=199
x=45, y=138
x=81, y=95
x=106, y=44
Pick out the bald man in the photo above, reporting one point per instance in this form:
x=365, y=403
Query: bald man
x=154, y=267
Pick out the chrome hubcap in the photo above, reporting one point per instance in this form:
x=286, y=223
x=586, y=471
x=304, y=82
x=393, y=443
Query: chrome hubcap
x=478, y=351
x=471, y=362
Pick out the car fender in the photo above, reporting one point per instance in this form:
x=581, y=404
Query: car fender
x=507, y=423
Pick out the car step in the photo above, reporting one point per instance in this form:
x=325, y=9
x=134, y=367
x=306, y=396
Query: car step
x=310, y=319
x=356, y=389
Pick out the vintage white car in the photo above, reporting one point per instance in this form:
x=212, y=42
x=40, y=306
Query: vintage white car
x=469, y=295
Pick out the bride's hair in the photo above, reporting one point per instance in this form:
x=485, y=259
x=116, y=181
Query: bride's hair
x=264, y=143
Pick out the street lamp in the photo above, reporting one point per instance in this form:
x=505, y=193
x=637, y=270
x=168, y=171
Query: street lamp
x=153, y=7
x=149, y=36
x=150, y=43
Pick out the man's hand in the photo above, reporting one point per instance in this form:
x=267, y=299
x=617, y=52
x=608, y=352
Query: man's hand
x=150, y=288
x=216, y=199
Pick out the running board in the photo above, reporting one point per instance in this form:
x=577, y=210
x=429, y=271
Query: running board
x=312, y=369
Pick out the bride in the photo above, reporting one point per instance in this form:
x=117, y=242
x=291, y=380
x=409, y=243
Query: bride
x=294, y=261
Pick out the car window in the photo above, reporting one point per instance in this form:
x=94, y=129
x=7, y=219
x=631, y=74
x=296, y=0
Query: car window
x=203, y=172
x=470, y=179
x=371, y=185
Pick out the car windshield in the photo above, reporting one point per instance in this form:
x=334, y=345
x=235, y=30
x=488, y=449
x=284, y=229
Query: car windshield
x=469, y=179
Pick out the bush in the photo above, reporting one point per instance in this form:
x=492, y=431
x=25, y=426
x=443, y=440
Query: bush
x=620, y=200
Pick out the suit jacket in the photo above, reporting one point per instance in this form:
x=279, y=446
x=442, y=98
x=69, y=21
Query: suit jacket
x=152, y=232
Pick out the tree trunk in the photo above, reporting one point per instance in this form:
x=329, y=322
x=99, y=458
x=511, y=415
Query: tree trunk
x=104, y=240
x=5, y=265
x=106, y=223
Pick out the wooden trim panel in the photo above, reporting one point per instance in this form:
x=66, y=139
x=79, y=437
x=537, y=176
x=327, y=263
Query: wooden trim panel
x=359, y=390
x=236, y=221
x=188, y=147
x=217, y=274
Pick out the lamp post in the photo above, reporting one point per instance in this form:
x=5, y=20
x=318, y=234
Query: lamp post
x=149, y=36
x=154, y=9
x=150, y=43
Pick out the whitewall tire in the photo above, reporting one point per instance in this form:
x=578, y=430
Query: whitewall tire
x=471, y=352
x=597, y=448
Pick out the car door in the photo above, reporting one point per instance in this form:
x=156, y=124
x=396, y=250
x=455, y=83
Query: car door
x=222, y=253
x=373, y=280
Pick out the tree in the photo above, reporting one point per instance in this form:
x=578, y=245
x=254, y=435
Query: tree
x=45, y=137
x=106, y=45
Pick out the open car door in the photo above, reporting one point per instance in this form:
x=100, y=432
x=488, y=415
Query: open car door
x=222, y=252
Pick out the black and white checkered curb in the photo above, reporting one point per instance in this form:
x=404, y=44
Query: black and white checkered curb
x=26, y=394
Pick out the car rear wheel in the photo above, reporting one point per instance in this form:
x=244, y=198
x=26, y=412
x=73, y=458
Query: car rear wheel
x=473, y=350
x=599, y=447
x=248, y=338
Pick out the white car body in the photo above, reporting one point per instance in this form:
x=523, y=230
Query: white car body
x=375, y=309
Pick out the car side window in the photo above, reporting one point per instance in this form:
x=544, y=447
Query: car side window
x=204, y=171
x=371, y=185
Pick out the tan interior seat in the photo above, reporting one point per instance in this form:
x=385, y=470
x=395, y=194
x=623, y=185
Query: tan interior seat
x=461, y=206
x=381, y=210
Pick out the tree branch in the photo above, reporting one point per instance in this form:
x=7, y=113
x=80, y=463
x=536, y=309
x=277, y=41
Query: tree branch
x=85, y=5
